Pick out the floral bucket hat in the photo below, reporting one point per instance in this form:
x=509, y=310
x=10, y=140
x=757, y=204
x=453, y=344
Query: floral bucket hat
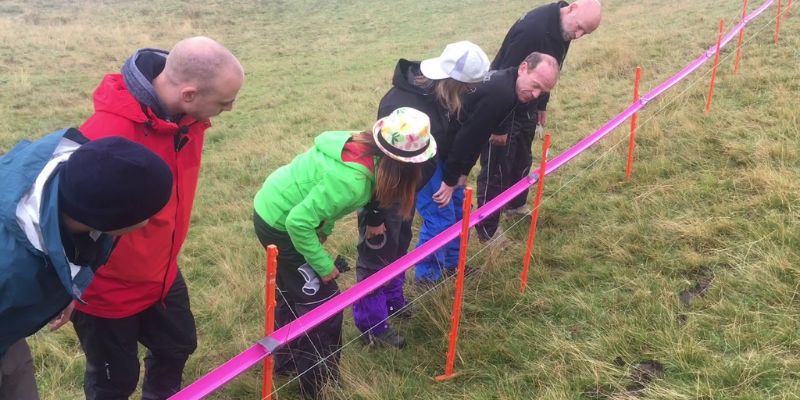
x=404, y=135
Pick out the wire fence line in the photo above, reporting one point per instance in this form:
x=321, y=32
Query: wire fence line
x=665, y=104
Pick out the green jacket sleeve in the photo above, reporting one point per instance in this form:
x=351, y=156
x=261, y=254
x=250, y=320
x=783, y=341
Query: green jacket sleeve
x=325, y=203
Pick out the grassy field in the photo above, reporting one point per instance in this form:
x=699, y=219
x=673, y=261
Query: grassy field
x=680, y=284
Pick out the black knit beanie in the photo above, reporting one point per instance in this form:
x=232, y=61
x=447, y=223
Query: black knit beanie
x=113, y=183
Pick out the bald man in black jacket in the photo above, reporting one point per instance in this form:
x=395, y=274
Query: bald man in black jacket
x=507, y=158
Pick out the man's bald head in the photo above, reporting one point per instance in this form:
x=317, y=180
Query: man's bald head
x=201, y=78
x=580, y=18
x=200, y=59
x=537, y=74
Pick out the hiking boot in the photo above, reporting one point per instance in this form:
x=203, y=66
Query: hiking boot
x=389, y=338
x=404, y=312
x=520, y=211
x=484, y=237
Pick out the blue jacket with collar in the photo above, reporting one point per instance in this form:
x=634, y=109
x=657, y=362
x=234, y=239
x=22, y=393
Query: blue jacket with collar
x=37, y=280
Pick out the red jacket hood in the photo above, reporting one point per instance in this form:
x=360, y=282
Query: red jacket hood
x=143, y=266
x=112, y=96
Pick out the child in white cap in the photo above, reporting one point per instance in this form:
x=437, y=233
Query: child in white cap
x=433, y=86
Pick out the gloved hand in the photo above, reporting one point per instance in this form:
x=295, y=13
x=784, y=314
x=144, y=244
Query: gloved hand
x=539, y=132
x=341, y=264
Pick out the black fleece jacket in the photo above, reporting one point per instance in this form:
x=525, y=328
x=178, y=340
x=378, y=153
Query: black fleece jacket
x=405, y=93
x=484, y=111
x=538, y=30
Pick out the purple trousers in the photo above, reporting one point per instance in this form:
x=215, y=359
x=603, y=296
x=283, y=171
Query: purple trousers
x=371, y=313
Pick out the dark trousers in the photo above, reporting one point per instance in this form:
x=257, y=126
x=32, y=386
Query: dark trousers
x=166, y=329
x=371, y=313
x=305, y=354
x=17, y=381
x=503, y=166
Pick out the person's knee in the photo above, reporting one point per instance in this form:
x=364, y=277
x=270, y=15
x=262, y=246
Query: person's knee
x=177, y=350
x=111, y=379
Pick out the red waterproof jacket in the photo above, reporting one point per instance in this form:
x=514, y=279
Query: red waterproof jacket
x=143, y=266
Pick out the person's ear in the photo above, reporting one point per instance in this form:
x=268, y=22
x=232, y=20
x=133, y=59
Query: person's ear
x=523, y=68
x=572, y=7
x=188, y=94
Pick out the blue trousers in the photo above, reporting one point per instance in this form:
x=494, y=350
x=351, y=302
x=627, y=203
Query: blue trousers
x=435, y=220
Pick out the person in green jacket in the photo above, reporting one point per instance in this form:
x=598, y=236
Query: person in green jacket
x=298, y=205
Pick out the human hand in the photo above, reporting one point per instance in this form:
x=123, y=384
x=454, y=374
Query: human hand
x=62, y=318
x=539, y=132
x=333, y=275
x=443, y=195
x=498, y=140
x=374, y=231
x=542, y=118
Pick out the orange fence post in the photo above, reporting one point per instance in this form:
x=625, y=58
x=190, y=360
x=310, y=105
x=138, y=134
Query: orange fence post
x=631, y=142
x=714, y=68
x=739, y=43
x=462, y=262
x=778, y=23
x=269, y=316
x=526, y=263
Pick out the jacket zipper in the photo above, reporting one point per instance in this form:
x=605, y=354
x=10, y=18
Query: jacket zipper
x=180, y=141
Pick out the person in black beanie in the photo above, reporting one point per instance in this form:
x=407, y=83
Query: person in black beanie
x=64, y=202
x=102, y=184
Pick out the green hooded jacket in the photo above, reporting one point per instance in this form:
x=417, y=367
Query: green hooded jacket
x=311, y=193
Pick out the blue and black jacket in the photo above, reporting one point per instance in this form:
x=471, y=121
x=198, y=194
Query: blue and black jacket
x=37, y=279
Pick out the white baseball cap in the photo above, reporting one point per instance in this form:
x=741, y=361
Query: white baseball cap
x=463, y=61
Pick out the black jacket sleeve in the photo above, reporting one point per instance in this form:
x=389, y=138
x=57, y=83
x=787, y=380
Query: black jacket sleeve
x=486, y=110
x=541, y=104
x=374, y=215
